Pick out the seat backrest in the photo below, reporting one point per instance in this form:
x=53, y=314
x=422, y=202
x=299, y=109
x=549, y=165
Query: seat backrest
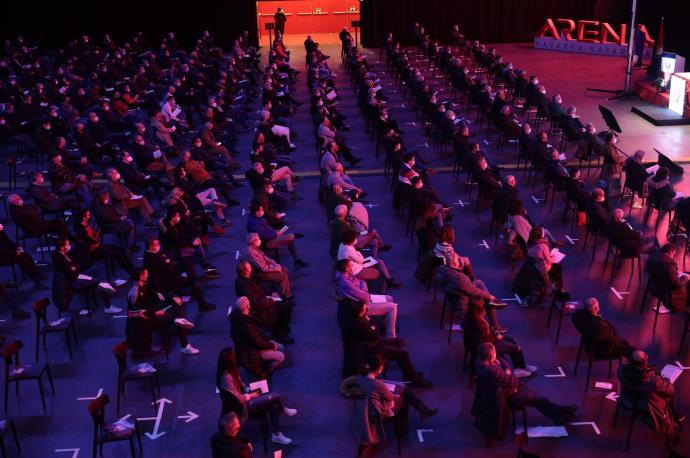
x=11, y=351
x=97, y=409
x=120, y=352
x=40, y=308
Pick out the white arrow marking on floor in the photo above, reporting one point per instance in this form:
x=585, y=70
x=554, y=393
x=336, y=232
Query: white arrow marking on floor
x=371, y=205
x=484, y=244
x=411, y=123
x=153, y=435
x=585, y=423
x=612, y=396
x=559, y=375
x=420, y=433
x=100, y=392
x=487, y=142
x=679, y=364
x=425, y=144
x=191, y=416
x=402, y=105
x=75, y=451
x=237, y=255
x=460, y=202
x=571, y=240
x=119, y=316
x=619, y=294
x=516, y=298
x=536, y=199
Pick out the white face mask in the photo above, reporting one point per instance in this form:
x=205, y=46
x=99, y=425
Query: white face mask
x=129, y=159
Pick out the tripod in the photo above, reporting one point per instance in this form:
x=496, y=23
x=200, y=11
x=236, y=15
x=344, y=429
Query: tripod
x=626, y=92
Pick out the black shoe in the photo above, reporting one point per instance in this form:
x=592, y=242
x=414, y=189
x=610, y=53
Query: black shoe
x=300, y=264
x=566, y=415
x=386, y=247
x=298, y=235
x=20, y=314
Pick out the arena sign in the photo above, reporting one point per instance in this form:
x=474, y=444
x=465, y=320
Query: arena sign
x=585, y=36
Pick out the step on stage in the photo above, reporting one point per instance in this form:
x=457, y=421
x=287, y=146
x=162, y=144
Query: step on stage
x=660, y=116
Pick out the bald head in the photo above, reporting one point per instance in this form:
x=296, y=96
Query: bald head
x=510, y=179
x=592, y=306
x=618, y=214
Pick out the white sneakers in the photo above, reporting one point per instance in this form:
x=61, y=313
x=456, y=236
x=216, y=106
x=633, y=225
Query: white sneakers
x=184, y=323
x=289, y=412
x=663, y=310
x=521, y=373
x=189, y=350
x=279, y=438
x=112, y=310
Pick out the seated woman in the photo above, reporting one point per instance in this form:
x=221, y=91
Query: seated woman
x=661, y=192
x=538, y=248
x=347, y=250
x=444, y=249
x=246, y=403
x=477, y=331
x=381, y=401
x=518, y=226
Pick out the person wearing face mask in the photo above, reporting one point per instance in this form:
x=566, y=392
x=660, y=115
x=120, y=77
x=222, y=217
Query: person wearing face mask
x=531, y=91
x=11, y=254
x=272, y=239
x=151, y=159
x=164, y=133
x=136, y=181
x=112, y=222
x=66, y=279
x=44, y=138
x=272, y=204
x=30, y=220
x=124, y=200
x=48, y=201
x=266, y=269
x=90, y=248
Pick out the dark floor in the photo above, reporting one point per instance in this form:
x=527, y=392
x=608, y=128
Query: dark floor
x=310, y=383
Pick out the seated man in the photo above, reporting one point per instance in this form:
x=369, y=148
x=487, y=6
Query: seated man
x=266, y=269
x=166, y=276
x=598, y=210
x=269, y=310
x=635, y=176
x=362, y=340
x=454, y=280
x=488, y=179
x=600, y=333
x=555, y=170
x=350, y=287
x=148, y=313
x=28, y=218
x=124, y=200
x=491, y=370
x=272, y=239
x=370, y=239
x=11, y=254
x=627, y=239
x=111, y=221
x=255, y=353
x=338, y=176
x=227, y=443
x=655, y=394
x=347, y=250
x=575, y=191
x=664, y=282
x=48, y=201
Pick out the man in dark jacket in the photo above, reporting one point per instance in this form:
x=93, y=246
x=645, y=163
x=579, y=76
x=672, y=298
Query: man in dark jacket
x=269, y=310
x=487, y=178
x=48, y=201
x=111, y=221
x=627, y=239
x=28, y=218
x=280, y=20
x=136, y=181
x=166, y=276
x=491, y=370
x=227, y=443
x=654, y=392
x=506, y=194
x=272, y=204
x=664, y=282
x=11, y=254
x=575, y=190
x=257, y=354
x=598, y=210
x=599, y=332
x=361, y=340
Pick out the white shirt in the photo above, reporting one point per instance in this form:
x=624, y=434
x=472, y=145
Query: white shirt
x=351, y=253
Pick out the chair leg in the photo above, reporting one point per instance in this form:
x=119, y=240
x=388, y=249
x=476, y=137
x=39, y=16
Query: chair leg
x=615, y=416
x=589, y=372
x=131, y=446
x=630, y=430
x=577, y=359
x=14, y=435
x=524, y=424
x=50, y=378
x=43, y=395
x=69, y=344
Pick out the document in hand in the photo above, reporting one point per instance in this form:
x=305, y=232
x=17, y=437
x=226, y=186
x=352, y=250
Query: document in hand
x=653, y=168
x=671, y=372
x=84, y=277
x=369, y=261
x=378, y=298
x=135, y=196
x=260, y=385
x=107, y=286
x=556, y=255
